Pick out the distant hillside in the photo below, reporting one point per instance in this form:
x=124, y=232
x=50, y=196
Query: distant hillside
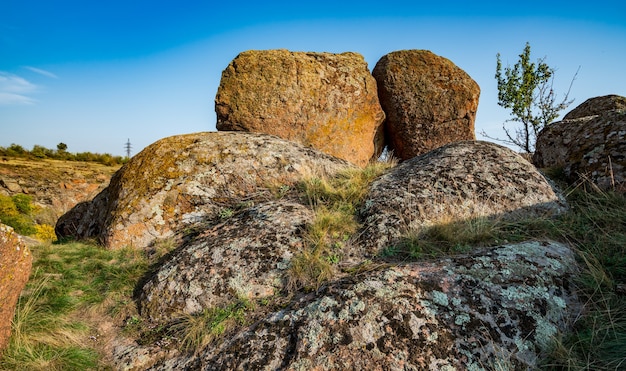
x=53, y=185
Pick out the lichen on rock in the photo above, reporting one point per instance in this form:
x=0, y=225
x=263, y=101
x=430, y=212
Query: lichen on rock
x=245, y=257
x=323, y=100
x=466, y=312
x=588, y=144
x=458, y=181
x=186, y=179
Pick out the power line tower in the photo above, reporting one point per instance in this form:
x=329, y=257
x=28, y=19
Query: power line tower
x=128, y=147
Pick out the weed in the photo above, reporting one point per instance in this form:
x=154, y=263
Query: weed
x=45, y=232
x=226, y=213
x=308, y=270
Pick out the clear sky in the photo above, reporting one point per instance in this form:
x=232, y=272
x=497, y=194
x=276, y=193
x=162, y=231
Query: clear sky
x=92, y=74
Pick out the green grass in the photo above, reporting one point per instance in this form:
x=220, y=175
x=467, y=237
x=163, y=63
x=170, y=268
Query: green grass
x=197, y=330
x=72, y=289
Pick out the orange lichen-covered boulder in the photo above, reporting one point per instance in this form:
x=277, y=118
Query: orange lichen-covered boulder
x=180, y=181
x=427, y=99
x=15, y=266
x=323, y=100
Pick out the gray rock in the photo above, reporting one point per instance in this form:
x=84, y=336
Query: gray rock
x=11, y=185
x=244, y=257
x=461, y=180
x=498, y=309
x=591, y=145
x=596, y=106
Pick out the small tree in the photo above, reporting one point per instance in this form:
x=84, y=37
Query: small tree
x=526, y=89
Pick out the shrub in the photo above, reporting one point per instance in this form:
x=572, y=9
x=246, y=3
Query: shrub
x=45, y=232
x=23, y=203
x=15, y=212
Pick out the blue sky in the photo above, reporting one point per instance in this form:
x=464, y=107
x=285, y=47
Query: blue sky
x=93, y=74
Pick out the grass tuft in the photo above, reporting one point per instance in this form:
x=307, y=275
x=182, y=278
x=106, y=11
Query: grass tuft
x=199, y=329
x=335, y=201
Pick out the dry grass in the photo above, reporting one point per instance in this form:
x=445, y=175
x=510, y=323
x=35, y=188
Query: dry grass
x=335, y=201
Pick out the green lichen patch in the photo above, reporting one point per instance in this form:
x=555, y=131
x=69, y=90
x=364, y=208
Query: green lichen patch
x=417, y=316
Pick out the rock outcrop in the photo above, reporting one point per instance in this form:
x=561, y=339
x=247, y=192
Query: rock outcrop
x=245, y=257
x=15, y=266
x=427, y=99
x=495, y=309
x=187, y=179
x=219, y=198
x=459, y=181
x=327, y=101
x=597, y=106
x=588, y=144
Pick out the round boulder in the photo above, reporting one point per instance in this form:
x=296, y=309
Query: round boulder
x=427, y=99
x=242, y=258
x=182, y=180
x=459, y=181
x=597, y=105
x=589, y=148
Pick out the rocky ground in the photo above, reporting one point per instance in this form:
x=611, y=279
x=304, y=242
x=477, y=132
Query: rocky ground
x=53, y=184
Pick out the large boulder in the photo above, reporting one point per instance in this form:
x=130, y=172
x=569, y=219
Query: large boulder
x=244, y=257
x=497, y=309
x=596, y=106
x=588, y=144
x=327, y=101
x=15, y=266
x=459, y=181
x=427, y=99
x=183, y=180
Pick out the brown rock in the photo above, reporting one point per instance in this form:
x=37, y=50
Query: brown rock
x=596, y=106
x=15, y=265
x=427, y=99
x=459, y=181
x=589, y=148
x=11, y=185
x=327, y=101
x=183, y=180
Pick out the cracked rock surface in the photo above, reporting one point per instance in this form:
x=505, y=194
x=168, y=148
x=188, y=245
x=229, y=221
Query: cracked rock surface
x=497, y=308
